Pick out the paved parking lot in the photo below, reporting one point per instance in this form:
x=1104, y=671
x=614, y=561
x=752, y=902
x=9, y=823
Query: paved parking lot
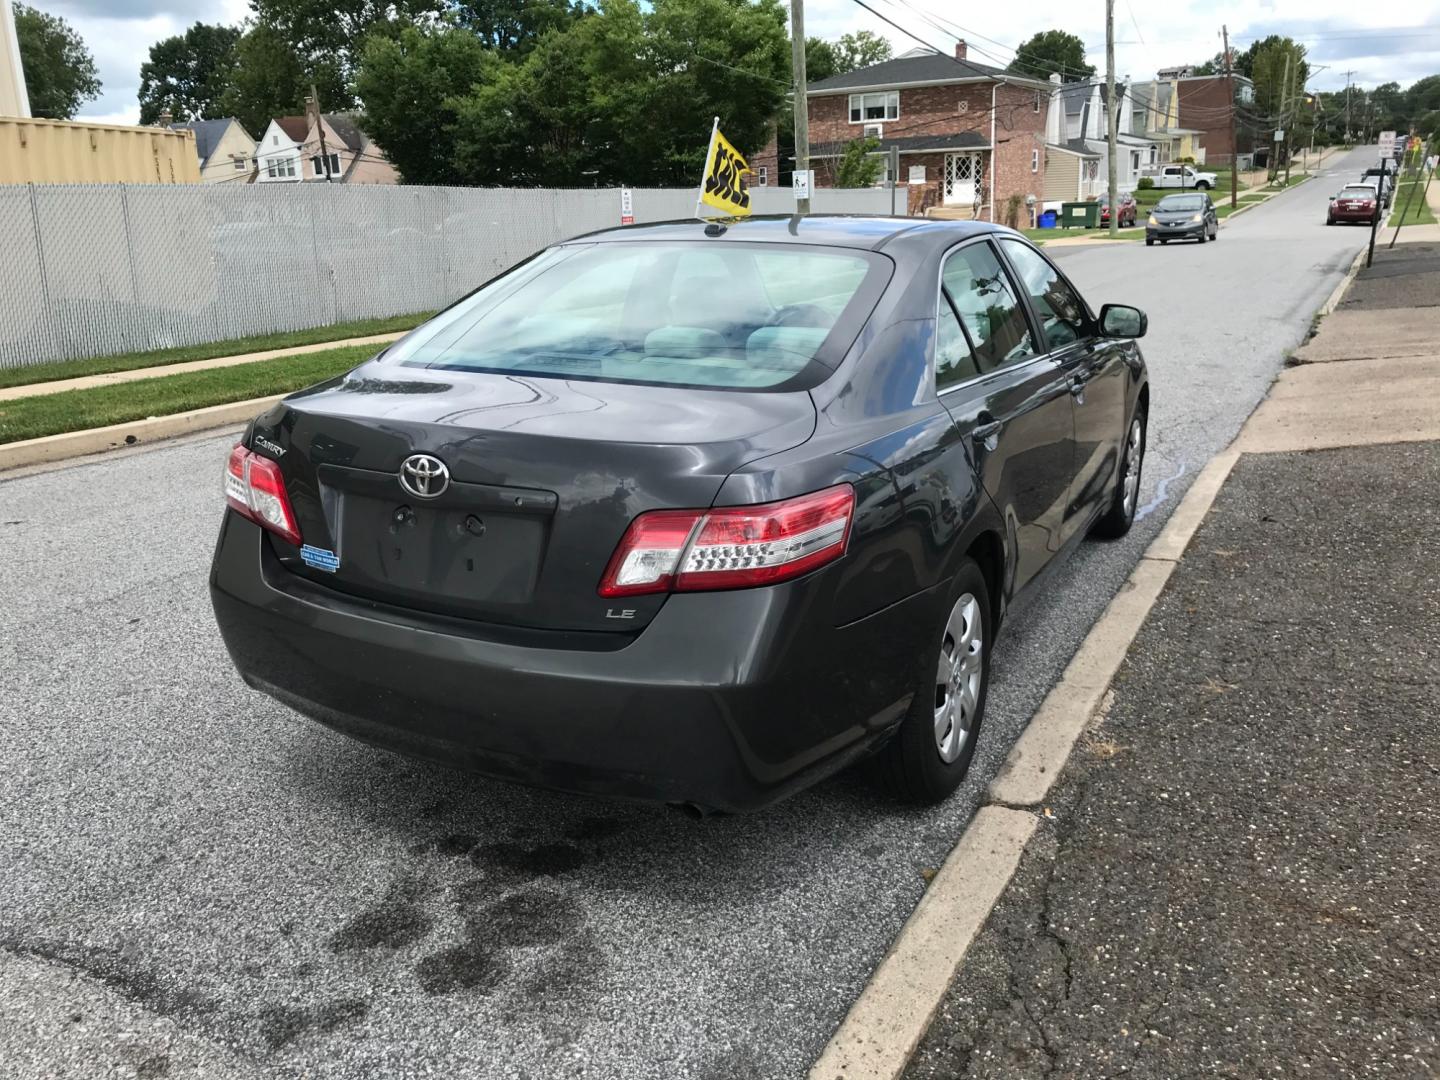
x=304, y=906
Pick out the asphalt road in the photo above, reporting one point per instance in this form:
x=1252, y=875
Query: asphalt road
x=306, y=906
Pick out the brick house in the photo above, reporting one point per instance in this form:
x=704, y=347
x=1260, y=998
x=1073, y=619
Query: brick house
x=1204, y=106
x=976, y=132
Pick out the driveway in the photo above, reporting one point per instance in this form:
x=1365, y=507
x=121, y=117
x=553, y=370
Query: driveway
x=248, y=885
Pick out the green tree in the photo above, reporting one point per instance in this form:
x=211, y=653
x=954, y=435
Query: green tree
x=410, y=85
x=271, y=79
x=859, y=165
x=188, y=74
x=59, y=69
x=332, y=33
x=1050, y=51
x=515, y=25
x=1268, y=66
x=859, y=50
x=820, y=61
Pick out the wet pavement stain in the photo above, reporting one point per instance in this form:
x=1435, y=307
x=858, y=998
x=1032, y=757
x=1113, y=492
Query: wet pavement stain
x=281, y=1025
x=541, y=860
x=390, y=925
x=153, y=1067
x=469, y=966
x=596, y=828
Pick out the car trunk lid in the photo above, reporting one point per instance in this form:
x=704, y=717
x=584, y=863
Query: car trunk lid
x=544, y=476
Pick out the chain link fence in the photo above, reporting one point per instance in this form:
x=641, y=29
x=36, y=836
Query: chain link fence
x=92, y=270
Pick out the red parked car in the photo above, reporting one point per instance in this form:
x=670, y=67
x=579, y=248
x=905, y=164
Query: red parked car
x=1128, y=210
x=1354, y=202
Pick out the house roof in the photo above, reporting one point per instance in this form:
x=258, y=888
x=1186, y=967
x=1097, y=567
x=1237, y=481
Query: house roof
x=913, y=144
x=208, y=134
x=919, y=66
x=296, y=127
x=1078, y=147
x=1073, y=96
x=343, y=124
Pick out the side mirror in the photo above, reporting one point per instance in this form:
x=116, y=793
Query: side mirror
x=1123, y=321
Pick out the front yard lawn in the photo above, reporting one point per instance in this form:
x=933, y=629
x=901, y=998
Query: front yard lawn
x=76, y=410
x=1419, y=212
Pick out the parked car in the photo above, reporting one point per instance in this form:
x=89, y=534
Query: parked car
x=1183, y=176
x=1128, y=210
x=1183, y=217
x=1354, y=202
x=687, y=513
x=1384, y=180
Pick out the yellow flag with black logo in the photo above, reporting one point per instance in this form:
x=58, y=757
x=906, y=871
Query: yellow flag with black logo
x=725, y=186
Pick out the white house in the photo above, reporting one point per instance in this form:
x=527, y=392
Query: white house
x=1076, y=147
x=280, y=152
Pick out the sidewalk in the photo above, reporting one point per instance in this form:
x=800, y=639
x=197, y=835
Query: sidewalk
x=1238, y=872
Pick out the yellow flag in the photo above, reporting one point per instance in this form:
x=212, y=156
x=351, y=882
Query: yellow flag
x=725, y=186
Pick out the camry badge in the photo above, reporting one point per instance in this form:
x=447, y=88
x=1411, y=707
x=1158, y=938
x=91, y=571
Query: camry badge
x=424, y=476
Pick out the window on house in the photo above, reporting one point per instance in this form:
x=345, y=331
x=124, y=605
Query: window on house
x=1034, y=161
x=762, y=177
x=1037, y=100
x=884, y=105
x=239, y=162
x=318, y=164
x=274, y=140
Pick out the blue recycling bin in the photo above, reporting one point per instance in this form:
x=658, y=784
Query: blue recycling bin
x=1047, y=219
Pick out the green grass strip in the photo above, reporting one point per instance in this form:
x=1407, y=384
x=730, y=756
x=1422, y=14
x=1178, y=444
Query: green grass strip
x=76, y=410
x=104, y=365
x=1419, y=212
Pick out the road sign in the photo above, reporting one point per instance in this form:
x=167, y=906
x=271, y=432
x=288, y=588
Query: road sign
x=802, y=182
x=1279, y=136
x=917, y=174
x=627, y=206
x=1387, y=144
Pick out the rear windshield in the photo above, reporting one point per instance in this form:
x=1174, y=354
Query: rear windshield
x=677, y=314
x=1181, y=202
x=1358, y=191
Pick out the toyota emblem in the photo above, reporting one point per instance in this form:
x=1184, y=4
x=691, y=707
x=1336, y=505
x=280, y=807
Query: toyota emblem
x=424, y=476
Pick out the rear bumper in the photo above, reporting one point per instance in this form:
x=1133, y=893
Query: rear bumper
x=728, y=701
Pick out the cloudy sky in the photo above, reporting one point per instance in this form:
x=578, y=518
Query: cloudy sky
x=1401, y=42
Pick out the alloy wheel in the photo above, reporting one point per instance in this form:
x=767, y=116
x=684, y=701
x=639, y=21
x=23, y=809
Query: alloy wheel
x=958, y=677
x=1134, y=450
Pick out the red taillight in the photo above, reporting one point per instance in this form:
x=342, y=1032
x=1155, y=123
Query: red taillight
x=731, y=547
x=255, y=489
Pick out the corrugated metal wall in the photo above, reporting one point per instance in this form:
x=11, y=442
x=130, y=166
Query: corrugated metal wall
x=63, y=151
x=101, y=269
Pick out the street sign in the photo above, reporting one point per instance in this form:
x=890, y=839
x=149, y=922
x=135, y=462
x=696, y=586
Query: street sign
x=917, y=174
x=1279, y=136
x=1387, y=144
x=627, y=206
x=801, y=183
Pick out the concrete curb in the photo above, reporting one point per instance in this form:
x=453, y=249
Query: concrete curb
x=95, y=440
x=1338, y=293
x=887, y=1021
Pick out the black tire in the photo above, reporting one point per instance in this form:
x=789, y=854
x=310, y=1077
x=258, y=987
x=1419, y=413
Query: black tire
x=1117, y=520
x=911, y=762
x=1202, y=186
x=1204, y=234
x=1149, y=241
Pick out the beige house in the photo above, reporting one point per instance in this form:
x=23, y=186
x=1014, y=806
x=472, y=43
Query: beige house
x=225, y=149
x=1156, y=118
x=320, y=148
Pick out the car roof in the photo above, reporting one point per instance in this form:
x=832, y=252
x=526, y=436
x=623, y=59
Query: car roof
x=826, y=230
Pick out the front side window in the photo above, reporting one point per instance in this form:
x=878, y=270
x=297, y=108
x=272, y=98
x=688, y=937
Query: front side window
x=1063, y=316
x=883, y=105
x=986, y=302
x=678, y=314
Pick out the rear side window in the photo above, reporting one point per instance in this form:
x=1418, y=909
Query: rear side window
x=954, y=360
x=1063, y=317
x=980, y=290
x=739, y=316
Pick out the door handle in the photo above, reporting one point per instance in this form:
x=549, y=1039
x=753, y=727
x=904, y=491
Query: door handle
x=987, y=433
x=1077, y=387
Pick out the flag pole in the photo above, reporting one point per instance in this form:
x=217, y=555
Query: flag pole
x=705, y=172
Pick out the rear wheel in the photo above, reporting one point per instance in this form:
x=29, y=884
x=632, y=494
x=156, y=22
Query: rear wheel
x=931, y=752
x=1121, y=515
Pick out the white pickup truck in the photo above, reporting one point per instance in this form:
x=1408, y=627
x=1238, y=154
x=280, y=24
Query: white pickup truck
x=1182, y=176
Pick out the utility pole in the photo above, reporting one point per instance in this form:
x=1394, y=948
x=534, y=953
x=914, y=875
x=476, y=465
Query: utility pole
x=1347, y=105
x=1289, y=118
x=802, y=106
x=312, y=110
x=1277, y=145
x=1112, y=117
x=1234, y=142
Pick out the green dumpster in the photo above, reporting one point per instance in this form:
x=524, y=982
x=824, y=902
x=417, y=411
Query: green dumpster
x=1083, y=215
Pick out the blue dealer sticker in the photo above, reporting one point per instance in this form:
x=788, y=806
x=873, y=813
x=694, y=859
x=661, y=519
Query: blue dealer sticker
x=320, y=558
